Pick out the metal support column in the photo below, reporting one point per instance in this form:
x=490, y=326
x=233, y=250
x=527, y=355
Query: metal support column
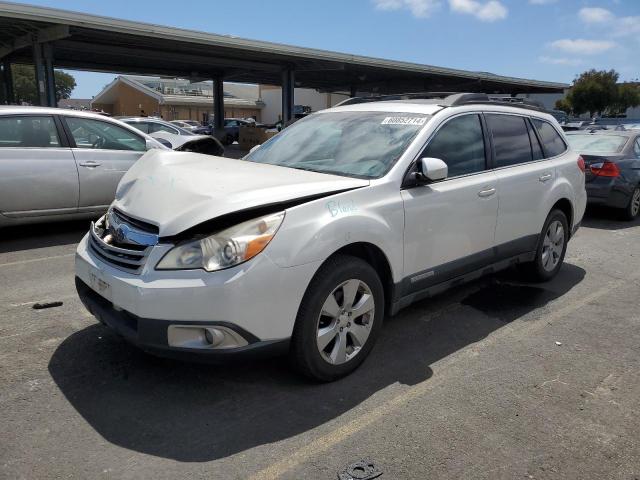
x=288, y=88
x=41, y=81
x=218, y=103
x=50, y=77
x=8, y=98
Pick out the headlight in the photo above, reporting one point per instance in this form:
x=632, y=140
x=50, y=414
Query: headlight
x=224, y=249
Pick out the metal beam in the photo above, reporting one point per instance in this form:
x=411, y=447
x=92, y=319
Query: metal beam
x=218, y=105
x=288, y=89
x=50, y=76
x=8, y=96
x=38, y=63
x=48, y=34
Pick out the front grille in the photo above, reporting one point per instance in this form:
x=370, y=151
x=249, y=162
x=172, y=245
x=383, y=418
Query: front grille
x=134, y=222
x=119, y=252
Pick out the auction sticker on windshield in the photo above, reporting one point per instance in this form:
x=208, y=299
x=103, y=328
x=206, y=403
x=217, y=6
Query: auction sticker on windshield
x=404, y=121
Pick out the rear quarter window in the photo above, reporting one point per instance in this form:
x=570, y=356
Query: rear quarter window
x=552, y=142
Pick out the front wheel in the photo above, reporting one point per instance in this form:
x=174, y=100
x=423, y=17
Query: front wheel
x=339, y=319
x=551, y=250
x=633, y=209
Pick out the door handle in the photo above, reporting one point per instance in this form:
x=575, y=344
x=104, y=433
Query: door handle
x=545, y=177
x=90, y=164
x=487, y=192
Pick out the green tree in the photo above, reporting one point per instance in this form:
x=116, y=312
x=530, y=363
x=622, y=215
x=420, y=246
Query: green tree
x=628, y=97
x=593, y=91
x=564, y=105
x=24, y=84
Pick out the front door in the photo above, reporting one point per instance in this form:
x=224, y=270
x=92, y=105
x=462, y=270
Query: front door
x=450, y=225
x=103, y=152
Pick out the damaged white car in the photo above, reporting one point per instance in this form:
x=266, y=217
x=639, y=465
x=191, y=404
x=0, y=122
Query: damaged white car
x=349, y=214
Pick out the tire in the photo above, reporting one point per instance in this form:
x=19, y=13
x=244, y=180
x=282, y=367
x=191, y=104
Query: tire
x=347, y=339
x=228, y=139
x=633, y=209
x=550, y=252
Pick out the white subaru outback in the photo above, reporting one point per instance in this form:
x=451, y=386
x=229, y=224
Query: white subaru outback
x=346, y=216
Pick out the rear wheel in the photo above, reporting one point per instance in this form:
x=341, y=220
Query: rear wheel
x=551, y=250
x=339, y=319
x=633, y=209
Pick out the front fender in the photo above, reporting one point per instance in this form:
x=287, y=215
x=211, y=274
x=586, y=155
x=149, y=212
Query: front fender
x=313, y=231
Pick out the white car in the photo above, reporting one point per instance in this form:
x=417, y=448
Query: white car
x=346, y=216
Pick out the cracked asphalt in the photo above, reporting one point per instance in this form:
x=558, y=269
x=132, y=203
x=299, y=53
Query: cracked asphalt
x=495, y=379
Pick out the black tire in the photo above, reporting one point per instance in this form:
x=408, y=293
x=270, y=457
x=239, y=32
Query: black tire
x=535, y=271
x=305, y=354
x=632, y=210
x=228, y=139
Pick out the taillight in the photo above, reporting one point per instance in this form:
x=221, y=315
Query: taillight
x=581, y=164
x=605, y=169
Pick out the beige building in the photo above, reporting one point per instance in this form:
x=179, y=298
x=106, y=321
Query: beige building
x=175, y=99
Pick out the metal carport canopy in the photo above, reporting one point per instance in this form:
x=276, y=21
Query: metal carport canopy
x=95, y=43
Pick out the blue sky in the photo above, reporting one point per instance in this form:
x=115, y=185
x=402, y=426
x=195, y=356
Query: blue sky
x=542, y=39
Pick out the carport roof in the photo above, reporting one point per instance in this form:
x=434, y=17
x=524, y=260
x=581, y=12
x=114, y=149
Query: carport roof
x=95, y=43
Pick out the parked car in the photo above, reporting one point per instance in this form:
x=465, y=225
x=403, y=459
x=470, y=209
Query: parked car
x=60, y=164
x=189, y=125
x=69, y=162
x=612, y=160
x=175, y=137
x=231, y=129
x=345, y=216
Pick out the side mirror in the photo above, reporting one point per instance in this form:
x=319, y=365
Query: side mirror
x=432, y=169
x=253, y=149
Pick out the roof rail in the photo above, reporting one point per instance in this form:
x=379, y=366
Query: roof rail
x=449, y=99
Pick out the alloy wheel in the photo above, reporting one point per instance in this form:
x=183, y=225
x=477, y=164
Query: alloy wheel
x=635, y=203
x=553, y=245
x=345, y=321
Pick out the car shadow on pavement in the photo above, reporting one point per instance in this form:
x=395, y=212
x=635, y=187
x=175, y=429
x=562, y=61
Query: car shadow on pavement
x=42, y=235
x=196, y=413
x=607, y=219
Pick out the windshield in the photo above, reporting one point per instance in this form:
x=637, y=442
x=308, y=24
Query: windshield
x=355, y=144
x=597, y=143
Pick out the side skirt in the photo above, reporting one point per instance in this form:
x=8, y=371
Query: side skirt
x=438, y=288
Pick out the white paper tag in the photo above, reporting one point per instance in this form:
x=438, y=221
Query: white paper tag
x=404, y=121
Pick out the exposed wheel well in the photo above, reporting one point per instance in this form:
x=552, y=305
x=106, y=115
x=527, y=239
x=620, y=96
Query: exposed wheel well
x=565, y=207
x=378, y=260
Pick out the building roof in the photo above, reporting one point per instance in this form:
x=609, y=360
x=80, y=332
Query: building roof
x=165, y=91
x=91, y=42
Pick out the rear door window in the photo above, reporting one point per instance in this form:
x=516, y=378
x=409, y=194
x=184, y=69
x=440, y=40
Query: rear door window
x=510, y=139
x=552, y=141
x=459, y=144
x=28, y=132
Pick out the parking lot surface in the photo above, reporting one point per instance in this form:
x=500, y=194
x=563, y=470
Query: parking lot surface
x=495, y=379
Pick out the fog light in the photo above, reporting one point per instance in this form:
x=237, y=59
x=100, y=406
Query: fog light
x=213, y=336
x=203, y=337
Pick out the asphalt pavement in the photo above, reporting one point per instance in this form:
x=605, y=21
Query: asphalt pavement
x=495, y=379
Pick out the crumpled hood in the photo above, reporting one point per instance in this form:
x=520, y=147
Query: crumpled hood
x=178, y=190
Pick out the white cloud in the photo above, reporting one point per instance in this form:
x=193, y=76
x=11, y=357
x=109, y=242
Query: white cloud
x=581, y=46
x=615, y=26
x=418, y=8
x=570, y=62
x=542, y=2
x=486, y=11
x=595, y=15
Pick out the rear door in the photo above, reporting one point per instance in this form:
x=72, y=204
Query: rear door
x=450, y=225
x=38, y=175
x=524, y=177
x=103, y=152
